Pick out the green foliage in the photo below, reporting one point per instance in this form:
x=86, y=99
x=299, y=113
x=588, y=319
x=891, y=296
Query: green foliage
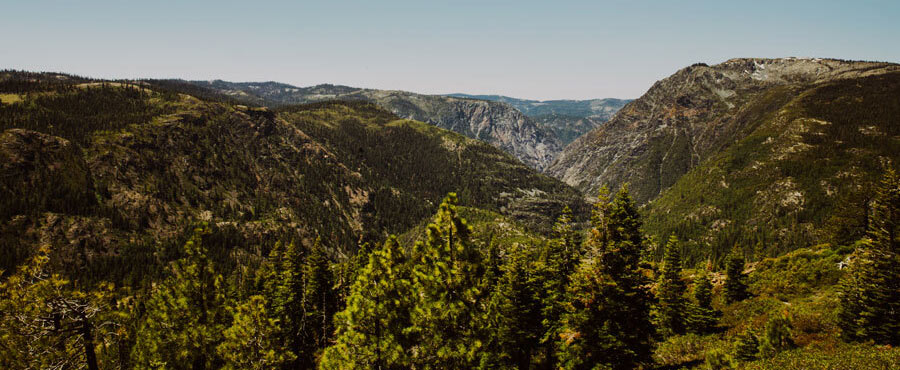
x=185, y=315
x=832, y=356
x=671, y=308
x=701, y=315
x=870, y=292
x=282, y=287
x=746, y=346
x=46, y=323
x=777, y=336
x=370, y=330
x=251, y=342
x=607, y=319
x=518, y=310
x=446, y=306
x=320, y=303
x=735, y=280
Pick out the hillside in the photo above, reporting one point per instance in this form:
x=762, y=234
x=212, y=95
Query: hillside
x=801, y=175
x=496, y=123
x=568, y=119
x=688, y=117
x=105, y=171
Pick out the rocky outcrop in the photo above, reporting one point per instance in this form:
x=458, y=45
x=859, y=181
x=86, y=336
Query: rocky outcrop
x=496, y=123
x=686, y=117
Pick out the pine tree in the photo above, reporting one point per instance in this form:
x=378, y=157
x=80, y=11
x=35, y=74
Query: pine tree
x=184, y=316
x=870, y=291
x=607, y=320
x=777, y=336
x=281, y=280
x=558, y=261
x=672, y=308
x=702, y=317
x=519, y=326
x=746, y=347
x=46, y=323
x=446, y=279
x=252, y=340
x=735, y=285
x=320, y=302
x=370, y=330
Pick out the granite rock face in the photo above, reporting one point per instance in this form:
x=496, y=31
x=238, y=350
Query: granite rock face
x=683, y=119
x=496, y=123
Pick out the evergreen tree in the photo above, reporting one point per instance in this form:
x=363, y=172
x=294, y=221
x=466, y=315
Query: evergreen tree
x=184, y=317
x=282, y=286
x=519, y=326
x=672, y=308
x=702, y=317
x=252, y=340
x=746, y=347
x=320, y=302
x=870, y=291
x=607, y=320
x=370, y=330
x=777, y=336
x=735, y=285
x=46, y=323
x=446, y=279
x=558, y=261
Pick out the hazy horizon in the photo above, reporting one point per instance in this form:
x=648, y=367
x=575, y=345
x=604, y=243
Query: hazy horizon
x=529, y=50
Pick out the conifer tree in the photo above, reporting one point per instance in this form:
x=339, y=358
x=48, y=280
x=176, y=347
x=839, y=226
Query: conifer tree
x=607, y=321
x=519, y=326
x=672, y=308
x=777, y=336
x=870, y=291
x=735, y=284
x=251, y=342
x=702, y=315
x=185, y=314
x=559, y=259
x=446, y=279
x=370, y=330
x=319, y=303
x=46, y=323
x=746, y=347
x=282, y=286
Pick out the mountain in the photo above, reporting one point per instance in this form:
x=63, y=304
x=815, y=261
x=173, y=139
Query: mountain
x=687, y=117
x=770, y=154
x=110, y=174
x=568, y=119
x=498, y=124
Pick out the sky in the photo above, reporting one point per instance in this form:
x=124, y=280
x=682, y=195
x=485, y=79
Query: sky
x=527, y=49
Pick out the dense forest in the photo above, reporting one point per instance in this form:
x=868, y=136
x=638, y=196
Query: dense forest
x=574, y=300
x=152, y=224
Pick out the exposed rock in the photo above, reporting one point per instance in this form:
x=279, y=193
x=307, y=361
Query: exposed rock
x=683, y=119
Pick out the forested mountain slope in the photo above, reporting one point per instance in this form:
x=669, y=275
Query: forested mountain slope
x=496, y=123
x=801, y=175
x=692, y=115
x=103, y=171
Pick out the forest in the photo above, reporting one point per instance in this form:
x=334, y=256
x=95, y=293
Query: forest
x=157, y=224
x=577, y=300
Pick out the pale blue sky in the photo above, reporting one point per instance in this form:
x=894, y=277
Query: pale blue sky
x=528, y=49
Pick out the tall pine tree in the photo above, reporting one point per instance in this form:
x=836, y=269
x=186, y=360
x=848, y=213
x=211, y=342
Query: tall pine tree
x=517, y=306
x=252, y=340
x=735, y=280
x=446, y=279
x=607, y=323
x=870, y=291
x=370, y=330
x=320, y=302
x=185, y=316
x=672, y=307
